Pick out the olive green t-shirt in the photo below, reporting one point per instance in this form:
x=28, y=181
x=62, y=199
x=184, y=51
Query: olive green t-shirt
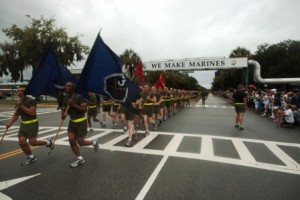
x=28, y=102
x=73, y=112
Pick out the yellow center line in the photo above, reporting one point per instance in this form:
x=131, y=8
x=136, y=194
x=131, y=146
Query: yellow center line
x=14, y=152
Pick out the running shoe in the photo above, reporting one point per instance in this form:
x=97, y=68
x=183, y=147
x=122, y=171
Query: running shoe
x=154, y=127
x=50, y=142
x=91, y=130
x=96, y=145
x=160, y=122
x=241, y=128
x=146, y=133
x=128, y=143
x=77, y=163
x=29, y=161
x=115, y=125
x=236, y=126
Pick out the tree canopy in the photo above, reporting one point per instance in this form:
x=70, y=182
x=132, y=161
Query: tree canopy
x=229, y=78
x=28, y=44
x=130, y=60
x=281, y=60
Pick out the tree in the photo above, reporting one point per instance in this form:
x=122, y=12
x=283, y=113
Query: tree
x=224, y=77
x=28, y=45
x=280, y=60
x=130, y=59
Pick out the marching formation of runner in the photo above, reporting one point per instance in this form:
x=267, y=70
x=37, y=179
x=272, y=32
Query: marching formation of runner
x=149, y=111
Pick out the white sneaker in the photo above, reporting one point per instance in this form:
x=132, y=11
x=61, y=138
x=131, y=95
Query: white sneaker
x=77, y=163
x=96, y=146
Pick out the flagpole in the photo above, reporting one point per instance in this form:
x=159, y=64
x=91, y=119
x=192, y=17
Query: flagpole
x=3, y=135
x=132, y=77
x=62, y=121
x=9, y=122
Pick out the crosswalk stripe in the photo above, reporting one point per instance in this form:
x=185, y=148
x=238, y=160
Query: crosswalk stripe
x=99, y=135
x=174, y=144
x=207, y=147
x=289, y=165
x=286, y=159
x=116, y=140
x=212, y=106
x=243, y=151
x=146, y=141
x=54, y=134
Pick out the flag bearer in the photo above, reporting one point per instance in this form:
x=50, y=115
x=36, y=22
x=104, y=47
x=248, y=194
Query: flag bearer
x=26, y=108
x=76, y=107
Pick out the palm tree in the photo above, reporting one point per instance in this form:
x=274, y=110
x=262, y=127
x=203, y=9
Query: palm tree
x=240, y=52
x=130, y=60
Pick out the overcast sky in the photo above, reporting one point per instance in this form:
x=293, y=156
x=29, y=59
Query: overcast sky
x=166, y=29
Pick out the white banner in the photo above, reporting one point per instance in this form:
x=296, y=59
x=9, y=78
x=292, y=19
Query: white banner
x=196, y=64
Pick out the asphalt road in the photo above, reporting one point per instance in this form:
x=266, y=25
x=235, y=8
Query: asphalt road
x=196, y=154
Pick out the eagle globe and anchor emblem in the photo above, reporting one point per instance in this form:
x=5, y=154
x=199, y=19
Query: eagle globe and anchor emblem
x=115, y=87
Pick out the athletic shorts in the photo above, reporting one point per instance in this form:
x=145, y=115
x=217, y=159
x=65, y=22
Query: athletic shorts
x=106, y=108
x=162, y=104
x=115, y=108
x=92, y=111
x=80, y=128
x=129, y=115
x=240, y=108
x=147, y=110
x=156, y=109
x=29, y=130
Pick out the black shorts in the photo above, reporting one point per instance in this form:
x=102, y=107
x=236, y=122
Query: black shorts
x=29, y=130
x=79, y=128
x=240, y=108
x=129, y=115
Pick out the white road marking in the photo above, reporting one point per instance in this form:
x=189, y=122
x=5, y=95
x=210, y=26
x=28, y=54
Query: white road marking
x=174, y=144
x=39, y=111
x=212, y=106
x=151, y=179
x=146, y=140
x=207, y=147
x=286, y=159
x=206, y=153
x=243, y=152
x=8, y=183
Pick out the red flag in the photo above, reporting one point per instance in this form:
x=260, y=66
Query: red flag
x=160, y=82
x=139, y=72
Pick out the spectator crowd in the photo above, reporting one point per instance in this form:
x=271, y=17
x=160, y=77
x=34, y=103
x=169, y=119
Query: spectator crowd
x=281, y=106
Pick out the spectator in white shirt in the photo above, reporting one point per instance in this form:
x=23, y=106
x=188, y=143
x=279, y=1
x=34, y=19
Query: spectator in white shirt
x=288, y=116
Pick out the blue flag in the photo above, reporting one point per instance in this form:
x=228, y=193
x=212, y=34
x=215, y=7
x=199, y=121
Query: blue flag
x=49, y=77
x=102, y=74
